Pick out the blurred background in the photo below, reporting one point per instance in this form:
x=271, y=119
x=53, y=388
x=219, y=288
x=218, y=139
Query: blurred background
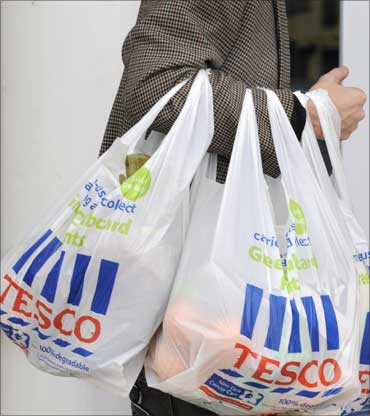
x=60, y=68
x=314, y=39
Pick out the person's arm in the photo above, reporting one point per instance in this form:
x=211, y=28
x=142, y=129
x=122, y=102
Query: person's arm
x=170, y=42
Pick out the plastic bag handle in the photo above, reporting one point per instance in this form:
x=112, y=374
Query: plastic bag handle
x=298, y=174
x=245, y=161
x=292, y=160
x=188, y=152
x=150, y=116
x=207, y=169
x=313, y=153
x=173, y=165
x=330, y=125
x=112, y=159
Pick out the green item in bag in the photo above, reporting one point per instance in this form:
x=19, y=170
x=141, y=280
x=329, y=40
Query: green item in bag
x=134, y=162
x=121, y=178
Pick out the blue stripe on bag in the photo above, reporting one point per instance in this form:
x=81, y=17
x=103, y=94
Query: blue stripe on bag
x=308, y=393
x=107, y=276
x=40, y=334
x=61, y=342
x=78, y=277
x=332, y=332
x=365, y=347
x=18, y=321
x=282, y=390
x=82, y=352
x=51, y=283
x=253, y=297
x=333, y=391
x=295, y=340
x=40, y=260
x=277, y=306
x=313, y=323
x=231, y=373
x=277, y=312
x=28, y=253
x=256, y=385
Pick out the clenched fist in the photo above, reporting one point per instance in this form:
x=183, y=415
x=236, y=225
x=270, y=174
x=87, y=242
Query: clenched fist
x=349, y=102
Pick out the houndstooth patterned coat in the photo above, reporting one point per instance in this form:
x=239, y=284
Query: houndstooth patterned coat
x=244, y=42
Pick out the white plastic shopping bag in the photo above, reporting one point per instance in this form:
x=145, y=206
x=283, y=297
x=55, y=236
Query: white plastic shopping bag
x=336, y=189
x=85, y=293
x=263, y=314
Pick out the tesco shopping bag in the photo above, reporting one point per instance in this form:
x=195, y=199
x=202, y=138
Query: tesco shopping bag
x=263, y=316
x=336, y=189
x=83, y=296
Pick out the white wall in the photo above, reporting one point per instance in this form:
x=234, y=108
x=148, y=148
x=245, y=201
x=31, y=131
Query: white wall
x=61, y=65
x=355, y=54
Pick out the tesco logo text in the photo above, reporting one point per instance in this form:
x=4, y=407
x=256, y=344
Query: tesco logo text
x=79, y=326
x=311, y=374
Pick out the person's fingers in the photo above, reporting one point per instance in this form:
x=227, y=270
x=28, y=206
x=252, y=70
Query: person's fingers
x=360, y=95
x=359, y=115
x=345, y=134
x=354, y=98
x=312, y=111
x=348, y=128
x=353, y=115
x=336, y=75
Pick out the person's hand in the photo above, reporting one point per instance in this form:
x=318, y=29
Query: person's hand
x=349, y=102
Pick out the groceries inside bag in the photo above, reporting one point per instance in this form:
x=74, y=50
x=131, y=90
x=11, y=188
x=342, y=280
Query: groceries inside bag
x=83, y=295
x=265, y=315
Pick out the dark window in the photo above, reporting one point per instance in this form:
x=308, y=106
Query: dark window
x=314, y=39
